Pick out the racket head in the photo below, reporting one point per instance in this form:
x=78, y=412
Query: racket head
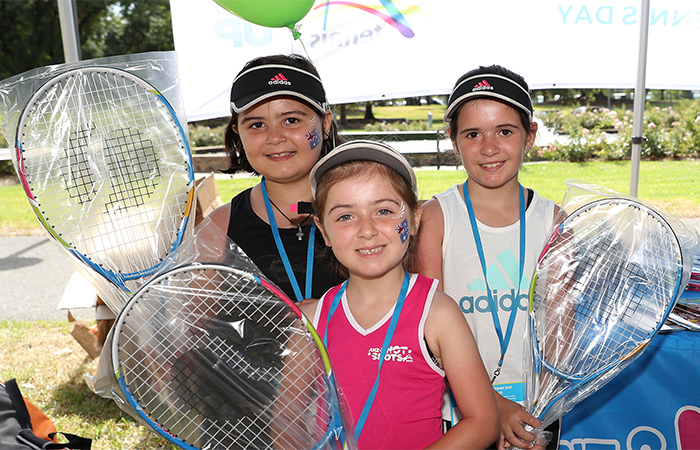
x=210, y=357
x=603, y=287
x=107, y=169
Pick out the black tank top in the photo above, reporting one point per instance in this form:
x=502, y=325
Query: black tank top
x=254, y=236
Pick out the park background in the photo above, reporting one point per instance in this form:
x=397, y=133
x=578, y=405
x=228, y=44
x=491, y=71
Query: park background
x=586, y=134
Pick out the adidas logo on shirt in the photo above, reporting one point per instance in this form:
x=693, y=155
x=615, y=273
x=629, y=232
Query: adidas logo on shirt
x=482, y=86
x=279, y=79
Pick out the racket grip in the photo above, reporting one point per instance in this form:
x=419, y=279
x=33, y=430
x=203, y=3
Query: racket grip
x=542, y=438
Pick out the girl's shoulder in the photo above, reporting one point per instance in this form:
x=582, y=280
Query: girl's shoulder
x=450, y=192
x=242, y=198
x=221, y=215
x=312, y=307
x=434, y=206
x=443, y=304
x=543, y=206
x=309, y=307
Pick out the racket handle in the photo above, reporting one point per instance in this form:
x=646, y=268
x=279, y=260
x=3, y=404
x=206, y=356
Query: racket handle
x=542, y=437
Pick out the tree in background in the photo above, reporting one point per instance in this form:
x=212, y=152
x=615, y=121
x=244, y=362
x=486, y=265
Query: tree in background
x=31, y=32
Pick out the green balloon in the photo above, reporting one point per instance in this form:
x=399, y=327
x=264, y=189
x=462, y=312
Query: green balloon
x=268, y=13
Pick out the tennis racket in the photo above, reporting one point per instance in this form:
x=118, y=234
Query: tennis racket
x=106, y=166
x=214, y=357
x=603, y=287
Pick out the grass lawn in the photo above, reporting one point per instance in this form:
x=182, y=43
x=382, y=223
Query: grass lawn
x=401, y=112
x=49, y=366
x=669, y=185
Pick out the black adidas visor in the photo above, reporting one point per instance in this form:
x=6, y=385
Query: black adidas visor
x=489, y=86
x=263, y=82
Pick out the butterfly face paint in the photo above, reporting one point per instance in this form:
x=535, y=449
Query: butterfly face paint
x=402, y=229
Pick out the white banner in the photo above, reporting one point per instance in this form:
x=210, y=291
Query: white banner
x=382, y=49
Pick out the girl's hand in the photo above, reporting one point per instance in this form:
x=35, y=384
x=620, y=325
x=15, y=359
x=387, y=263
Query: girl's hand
x=513, y=433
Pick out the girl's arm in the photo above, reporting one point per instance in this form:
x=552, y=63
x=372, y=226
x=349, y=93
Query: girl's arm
x=452, y=342
x=221, y=216
x=430, y=234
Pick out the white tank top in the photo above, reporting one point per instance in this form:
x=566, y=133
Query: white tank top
x=463, y=280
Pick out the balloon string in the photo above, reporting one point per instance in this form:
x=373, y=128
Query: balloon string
x=297, y=37
x=304, y=47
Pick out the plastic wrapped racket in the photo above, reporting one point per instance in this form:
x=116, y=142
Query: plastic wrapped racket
x=214, y=357
x=603, y=287
x=106, y=166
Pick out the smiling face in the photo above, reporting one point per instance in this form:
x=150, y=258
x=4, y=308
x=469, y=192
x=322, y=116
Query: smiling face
x=491, y=139
x=282, y=138
x=367, y=223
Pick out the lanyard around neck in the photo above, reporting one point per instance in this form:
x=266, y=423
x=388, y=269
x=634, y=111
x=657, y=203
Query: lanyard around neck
x=385, y=346
x=503, y=340
x=283, y=254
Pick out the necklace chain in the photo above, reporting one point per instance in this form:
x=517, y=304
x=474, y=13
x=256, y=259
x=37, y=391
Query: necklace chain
x=300, y=231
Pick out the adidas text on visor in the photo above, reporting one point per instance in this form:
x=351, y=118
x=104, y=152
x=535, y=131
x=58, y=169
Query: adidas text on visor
x=488, y=85
x=260, y=83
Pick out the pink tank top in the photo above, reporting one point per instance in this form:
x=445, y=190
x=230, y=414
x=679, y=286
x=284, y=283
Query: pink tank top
x=406, y=410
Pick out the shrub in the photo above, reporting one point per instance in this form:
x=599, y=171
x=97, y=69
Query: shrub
x=414, y=125
x=205, y=136
x=604, y=133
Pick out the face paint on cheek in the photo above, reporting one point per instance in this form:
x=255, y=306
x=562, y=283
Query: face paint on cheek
x=314, y=138
x=402, y=211
x=402, y=229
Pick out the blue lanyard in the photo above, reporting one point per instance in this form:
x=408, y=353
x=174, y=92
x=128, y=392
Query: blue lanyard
x=385, y=346
x=503, y=340
x=283, y=254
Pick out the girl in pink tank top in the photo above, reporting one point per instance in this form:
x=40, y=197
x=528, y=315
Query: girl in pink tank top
x=392, y=336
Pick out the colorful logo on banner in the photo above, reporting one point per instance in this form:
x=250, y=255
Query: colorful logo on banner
x=386, y=11
x=686, y=423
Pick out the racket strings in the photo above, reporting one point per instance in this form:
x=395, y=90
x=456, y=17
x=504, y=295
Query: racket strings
x=128, y=195
x=616, y=289
x=214, y=351
x=134, y=158
x=77, y=177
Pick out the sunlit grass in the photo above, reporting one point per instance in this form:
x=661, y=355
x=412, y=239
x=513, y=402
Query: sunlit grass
x=669, y=185
x=49, y=366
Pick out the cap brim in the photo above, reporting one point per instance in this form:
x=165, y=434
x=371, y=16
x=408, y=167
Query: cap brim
x=258, y=97
x=362, y=150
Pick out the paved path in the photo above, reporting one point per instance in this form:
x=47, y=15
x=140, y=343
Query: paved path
x=34, y=273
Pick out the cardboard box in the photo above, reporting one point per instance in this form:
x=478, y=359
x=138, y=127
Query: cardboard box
x=207, y=197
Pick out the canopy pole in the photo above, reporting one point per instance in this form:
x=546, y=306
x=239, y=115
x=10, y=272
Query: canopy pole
x=640, y=96
x=69, y=30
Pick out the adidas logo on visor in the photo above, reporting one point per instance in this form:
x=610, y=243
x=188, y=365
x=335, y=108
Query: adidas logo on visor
x=279, y=79
x=482, y=86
